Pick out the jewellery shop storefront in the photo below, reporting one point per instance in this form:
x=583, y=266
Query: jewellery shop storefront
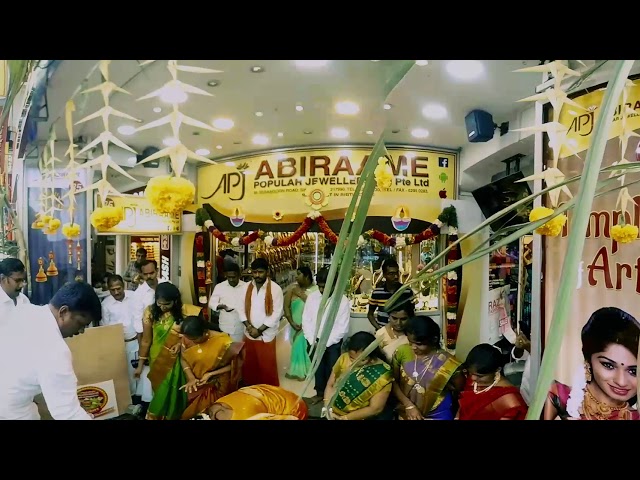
x=141, y=226
x=288, y=206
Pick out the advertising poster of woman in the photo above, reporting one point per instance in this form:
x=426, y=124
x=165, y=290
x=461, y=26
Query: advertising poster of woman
x=596, y=372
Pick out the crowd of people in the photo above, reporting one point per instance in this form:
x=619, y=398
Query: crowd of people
x=220, y=363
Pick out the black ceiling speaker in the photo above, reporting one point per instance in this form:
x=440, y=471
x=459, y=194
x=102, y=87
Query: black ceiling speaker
x=147, y=152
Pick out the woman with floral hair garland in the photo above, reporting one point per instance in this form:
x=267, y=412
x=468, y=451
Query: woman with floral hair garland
x=606, y=387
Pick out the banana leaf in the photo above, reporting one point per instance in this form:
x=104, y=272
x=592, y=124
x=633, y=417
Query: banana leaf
x=351, y=229
x=577, y=238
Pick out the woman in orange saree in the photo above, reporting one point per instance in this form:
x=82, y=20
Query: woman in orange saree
x=259, y=402
x=212, y=363
x=489, y=396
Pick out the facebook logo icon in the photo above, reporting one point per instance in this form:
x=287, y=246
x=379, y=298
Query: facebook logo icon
x=443, y=162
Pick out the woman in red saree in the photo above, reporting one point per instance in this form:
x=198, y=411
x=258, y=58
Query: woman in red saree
x=212, y=363
x=488, y=395
x=606, y=386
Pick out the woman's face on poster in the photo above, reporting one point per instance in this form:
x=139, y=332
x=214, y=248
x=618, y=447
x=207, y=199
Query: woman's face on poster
x=614, y=371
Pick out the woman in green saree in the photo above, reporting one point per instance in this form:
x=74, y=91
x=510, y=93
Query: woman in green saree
x=364, y=395
x=294, y=301
x=160, y=344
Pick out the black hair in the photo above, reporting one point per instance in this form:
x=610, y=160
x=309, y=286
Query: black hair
x=142, y=250
x=79, y=297
x=358, y=342
x=146, y=262
x=406, y=306
x=306, y=272
x=194, y=326
x=606, y=326
x=260, y=264
x=167, y=291
x=233, y=267
x=11, y=265
x=485, y=359
x=322, y=275
x=425, y=330
x=389, y=263
x=112, y=278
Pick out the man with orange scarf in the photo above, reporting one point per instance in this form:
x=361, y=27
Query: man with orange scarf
x=263, y=310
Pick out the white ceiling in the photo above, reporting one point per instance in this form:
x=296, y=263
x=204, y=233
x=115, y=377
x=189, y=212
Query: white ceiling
x=281, y=87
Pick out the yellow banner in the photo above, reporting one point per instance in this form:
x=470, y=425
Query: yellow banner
x=286, y=186
x=140, y=218
x=581, y=121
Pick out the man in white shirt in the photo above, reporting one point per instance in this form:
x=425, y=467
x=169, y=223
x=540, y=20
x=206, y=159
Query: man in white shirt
x=228, y=299
x=144, y=296
x=119, y=307
x=262, y=318
x=338, y=331
x=36, y=359
x=13, y=277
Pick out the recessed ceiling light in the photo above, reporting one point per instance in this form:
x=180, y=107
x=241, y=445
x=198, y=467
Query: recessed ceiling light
x=299, y=108
x=339, y=132
x=173, y=95
x=422, y=63
x=219, y=147
x=170, y=141
x=311, y=63
x=307, y=132
x=465, y=69
x=369, y=132
x=259, y=114
x=257, y=69
x=434, y=111
x=202, y=152
x=157, y=109
x=213, y=83
x=229, y=164
x=387, y=106
x=223, y=123
x=260, y=139
x=420, y=133
x=280, y=134
x=347, y=108
x=126, y=130
x=375, y=60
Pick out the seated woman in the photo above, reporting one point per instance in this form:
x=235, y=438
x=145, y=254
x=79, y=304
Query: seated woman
x=490, y=396
x=393, y=334
x=259, y=402
x=606, y=387
x=428, y=378
x=212, y=364
x=365, y=393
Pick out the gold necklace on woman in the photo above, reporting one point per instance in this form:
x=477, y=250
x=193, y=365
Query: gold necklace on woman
x=594, y=409
x=475, y=386
x=419, y=376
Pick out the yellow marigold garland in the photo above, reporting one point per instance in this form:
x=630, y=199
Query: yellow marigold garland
x=553, y=227
x=169, y=194
x=624, y=233
x=104, y=218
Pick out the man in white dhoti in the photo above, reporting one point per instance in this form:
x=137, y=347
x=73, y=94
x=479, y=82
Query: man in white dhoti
x=119, y=307
x=35, y=358
x=228, y=299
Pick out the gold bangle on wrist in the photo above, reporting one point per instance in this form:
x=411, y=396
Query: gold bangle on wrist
x=143, y=358
x=410, y=407
x=186, y=368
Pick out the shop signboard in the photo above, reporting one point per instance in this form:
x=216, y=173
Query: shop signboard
x=140, y=218
x=165, y=258
x=609, y=274
x=284, y=186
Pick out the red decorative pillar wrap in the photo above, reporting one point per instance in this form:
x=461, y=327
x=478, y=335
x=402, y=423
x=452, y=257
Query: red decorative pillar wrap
x=201, y=277
x=451, y=282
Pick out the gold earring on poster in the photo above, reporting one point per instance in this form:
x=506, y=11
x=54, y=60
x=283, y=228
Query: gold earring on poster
x=587, y=372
